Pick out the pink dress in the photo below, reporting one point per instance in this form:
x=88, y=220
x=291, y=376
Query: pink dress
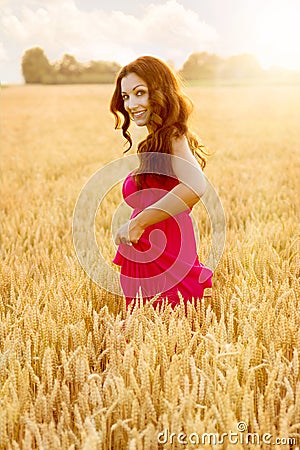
x=165, y=259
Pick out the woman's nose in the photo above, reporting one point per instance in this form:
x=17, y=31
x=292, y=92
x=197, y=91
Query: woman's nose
x=132, y=103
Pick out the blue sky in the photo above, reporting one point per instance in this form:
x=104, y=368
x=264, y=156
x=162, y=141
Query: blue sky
x=121, y=31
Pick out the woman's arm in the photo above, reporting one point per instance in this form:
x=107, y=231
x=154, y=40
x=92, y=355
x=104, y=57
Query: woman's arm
x=182, y=197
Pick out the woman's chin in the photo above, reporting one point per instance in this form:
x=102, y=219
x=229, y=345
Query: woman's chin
x=140, y=123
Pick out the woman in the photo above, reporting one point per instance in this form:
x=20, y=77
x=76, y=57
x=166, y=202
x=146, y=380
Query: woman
x=157, y=249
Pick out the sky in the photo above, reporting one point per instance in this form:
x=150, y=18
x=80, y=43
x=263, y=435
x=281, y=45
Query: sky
x=120, y=31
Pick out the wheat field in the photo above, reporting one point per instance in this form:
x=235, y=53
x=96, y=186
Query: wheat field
x=79, y=372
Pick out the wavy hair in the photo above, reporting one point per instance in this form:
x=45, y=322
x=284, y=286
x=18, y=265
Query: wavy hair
x=169, y=113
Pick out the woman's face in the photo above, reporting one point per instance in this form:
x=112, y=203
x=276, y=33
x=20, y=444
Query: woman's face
x=135, y=94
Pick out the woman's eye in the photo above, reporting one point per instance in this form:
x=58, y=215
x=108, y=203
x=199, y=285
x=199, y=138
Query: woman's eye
x=125, y=97
x=139, y=93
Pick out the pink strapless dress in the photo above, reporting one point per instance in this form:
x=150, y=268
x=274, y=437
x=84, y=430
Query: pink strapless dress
x=164, y=261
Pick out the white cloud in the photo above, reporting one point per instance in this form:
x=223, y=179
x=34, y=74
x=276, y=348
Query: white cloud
x=168, y=30
x=3, y=53
x=171, y=25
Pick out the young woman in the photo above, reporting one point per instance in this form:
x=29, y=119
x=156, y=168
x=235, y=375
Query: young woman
x=157, y=248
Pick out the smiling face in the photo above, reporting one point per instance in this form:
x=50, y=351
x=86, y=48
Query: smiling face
x=135, y=94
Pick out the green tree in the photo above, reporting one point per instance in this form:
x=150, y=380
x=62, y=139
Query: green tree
x=37, y=69
x=35, y=65
x=200, y=65
x=69, y=65
x=240, y=66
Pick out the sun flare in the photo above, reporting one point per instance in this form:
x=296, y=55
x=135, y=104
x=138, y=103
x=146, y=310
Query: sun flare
x=277, y=35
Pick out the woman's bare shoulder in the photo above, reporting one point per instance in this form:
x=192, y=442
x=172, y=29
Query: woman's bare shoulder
x=180, y=146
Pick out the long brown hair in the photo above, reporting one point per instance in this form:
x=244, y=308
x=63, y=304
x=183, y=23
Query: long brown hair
x=170, y=110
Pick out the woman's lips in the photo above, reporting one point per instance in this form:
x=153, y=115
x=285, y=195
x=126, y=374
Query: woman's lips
x=138, y=114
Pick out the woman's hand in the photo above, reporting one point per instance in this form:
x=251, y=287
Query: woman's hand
x=129, y=233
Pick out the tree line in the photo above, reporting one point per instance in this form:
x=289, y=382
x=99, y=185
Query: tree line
x=36, y=68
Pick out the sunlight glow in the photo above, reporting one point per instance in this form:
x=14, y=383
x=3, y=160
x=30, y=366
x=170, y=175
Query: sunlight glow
x=277, y=35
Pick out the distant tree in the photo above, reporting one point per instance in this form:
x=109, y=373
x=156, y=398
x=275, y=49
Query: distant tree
x=200, y=65
x=102, y=66
x=100, y=71
x=37, y=69
x=35, y=65
x=69, y=65
x=209, y=66
x=240, y=66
